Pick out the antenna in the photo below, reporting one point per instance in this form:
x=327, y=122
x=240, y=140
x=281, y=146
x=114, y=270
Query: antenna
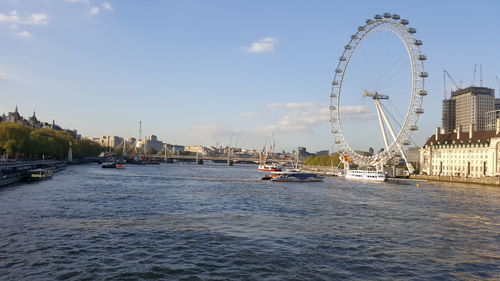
x=480, y=75
x=474, y=76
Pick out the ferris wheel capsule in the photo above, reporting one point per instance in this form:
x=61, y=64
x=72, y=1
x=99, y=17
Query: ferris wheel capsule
x=396, y=17
x=387, y=15
x=422, y=57
x=377, y=17
x=422, y=92
x=404, y=22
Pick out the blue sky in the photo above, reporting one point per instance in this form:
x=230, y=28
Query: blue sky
x=203, y=71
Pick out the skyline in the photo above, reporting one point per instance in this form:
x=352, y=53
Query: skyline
x=212, y=71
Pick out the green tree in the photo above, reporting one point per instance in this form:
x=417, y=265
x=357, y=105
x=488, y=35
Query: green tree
x=14, y=138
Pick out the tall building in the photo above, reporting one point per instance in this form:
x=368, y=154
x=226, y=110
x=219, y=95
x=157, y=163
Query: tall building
x=448, y=118
x=468, y=106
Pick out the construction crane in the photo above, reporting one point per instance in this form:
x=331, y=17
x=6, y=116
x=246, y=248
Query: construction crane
x=447, y=74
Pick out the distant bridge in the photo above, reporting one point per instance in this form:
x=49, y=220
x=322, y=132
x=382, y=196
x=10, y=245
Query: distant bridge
x=220, y=159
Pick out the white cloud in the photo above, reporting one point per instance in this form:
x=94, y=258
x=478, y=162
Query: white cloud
x=356, y=113
x=37, y=19
x=263, y=45
x=107, y=6
x=14, y=19
x=293, y=105
x=25, y=34
x=94, y=11
x=3, y=76
x=251, y=114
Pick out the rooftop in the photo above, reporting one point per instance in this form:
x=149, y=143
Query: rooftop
x=451, y=137
x=475, y=91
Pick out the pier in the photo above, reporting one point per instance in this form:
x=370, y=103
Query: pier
x=12, y=172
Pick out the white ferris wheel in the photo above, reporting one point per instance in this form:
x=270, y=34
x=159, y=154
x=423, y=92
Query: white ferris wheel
x=377, y=91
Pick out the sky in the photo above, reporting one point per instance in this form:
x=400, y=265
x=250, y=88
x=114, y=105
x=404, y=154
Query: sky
x=218, y=72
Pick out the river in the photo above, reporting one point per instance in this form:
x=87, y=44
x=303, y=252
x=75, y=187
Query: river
x=214, y=222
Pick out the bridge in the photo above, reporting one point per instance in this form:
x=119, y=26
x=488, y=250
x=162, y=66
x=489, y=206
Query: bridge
x=213, y=158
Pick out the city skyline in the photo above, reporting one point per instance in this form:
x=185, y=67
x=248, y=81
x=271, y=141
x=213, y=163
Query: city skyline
x=203, y=72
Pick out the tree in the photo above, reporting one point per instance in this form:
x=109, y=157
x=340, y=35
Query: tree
x=13, y=138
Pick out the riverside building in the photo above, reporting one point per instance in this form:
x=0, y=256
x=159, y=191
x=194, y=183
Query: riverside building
x=468, y=106
x=462, y=153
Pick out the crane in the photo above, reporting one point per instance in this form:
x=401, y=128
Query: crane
x=447, y=74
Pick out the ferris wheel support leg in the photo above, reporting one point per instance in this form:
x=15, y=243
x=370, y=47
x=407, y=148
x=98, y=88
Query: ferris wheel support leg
x=382, y=128
x=386, y=121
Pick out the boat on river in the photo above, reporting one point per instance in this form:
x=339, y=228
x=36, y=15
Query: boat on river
x=39, y=174
x=110, y=163
x=120, y=163
x=272, y=167
x=365, y=175
x=296, y=176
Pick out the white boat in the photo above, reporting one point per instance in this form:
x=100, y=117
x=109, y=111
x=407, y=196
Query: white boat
x=272, y=167
x=366, y=175
x=294, y=176
x=40, y=174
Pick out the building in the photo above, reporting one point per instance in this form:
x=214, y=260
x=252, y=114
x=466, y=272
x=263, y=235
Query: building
x=462, y=154
x=152, y=143
x=448, y=119
x=197, y=149
x=323, y=152
x=110, y=141
x=491, y=117
x=468, y=106
x=33, y=122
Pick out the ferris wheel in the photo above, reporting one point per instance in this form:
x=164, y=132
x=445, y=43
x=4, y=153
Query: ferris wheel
x=388, y=100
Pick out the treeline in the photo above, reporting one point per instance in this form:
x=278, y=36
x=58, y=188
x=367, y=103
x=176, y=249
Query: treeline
x=20, y=141
x=322, y=160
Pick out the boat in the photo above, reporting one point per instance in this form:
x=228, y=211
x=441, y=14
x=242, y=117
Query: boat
x=366, y=175
x=109, y=164
x=120, y=164
x=271, y=176
x=272, y=167
x=295, y=176
x=39, y=174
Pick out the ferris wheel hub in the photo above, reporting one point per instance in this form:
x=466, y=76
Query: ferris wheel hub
x=375, y=95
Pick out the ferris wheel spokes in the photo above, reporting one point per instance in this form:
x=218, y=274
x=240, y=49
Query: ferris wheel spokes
x=389, y=79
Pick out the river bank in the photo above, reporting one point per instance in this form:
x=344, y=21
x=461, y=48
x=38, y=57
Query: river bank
x=495, y=181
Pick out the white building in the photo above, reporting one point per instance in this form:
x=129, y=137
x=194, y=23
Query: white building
x=462, y=154
x=110, y=141
x=150, y=143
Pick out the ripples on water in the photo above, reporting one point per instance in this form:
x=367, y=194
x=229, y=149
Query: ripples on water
x=213, y=222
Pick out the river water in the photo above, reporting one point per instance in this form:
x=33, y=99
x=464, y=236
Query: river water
x=214, y=222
